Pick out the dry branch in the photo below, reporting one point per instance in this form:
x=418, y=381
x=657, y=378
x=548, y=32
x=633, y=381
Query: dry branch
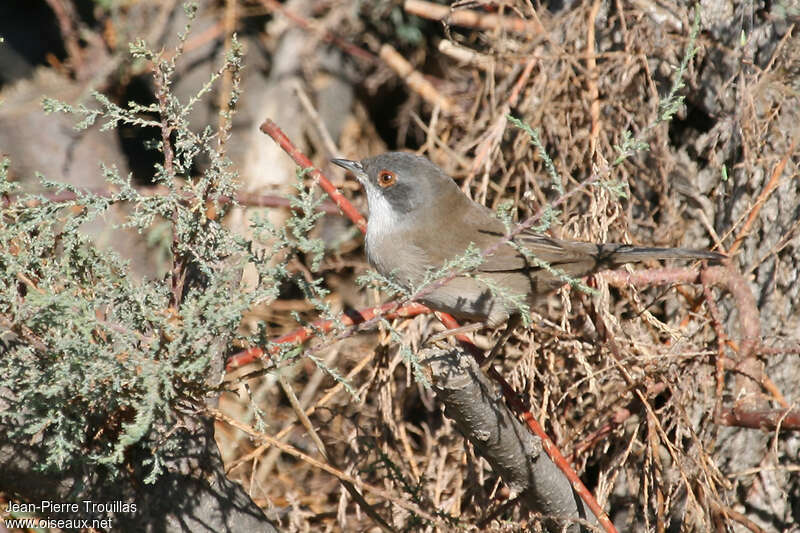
x=765, y=419
x=771, y=185
x=327, y=36
x=471, y=399
x=416, y=81
x=67, y=18
x=471, y=19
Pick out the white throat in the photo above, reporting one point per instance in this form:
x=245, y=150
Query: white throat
x=382, y=217
x=383, y=221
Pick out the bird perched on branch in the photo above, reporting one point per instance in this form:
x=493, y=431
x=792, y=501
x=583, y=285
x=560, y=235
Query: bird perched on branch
x=419, y=219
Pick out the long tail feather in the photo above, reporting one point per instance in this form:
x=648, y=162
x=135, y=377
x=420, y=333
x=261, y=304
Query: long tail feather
x=617, y=254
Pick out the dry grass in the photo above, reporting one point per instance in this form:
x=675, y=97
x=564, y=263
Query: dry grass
x=626, y=382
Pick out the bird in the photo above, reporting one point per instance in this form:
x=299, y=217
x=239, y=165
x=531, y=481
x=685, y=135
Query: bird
x=419, y=220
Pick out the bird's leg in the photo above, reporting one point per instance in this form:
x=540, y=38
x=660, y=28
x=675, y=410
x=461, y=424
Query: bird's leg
x=511, y=325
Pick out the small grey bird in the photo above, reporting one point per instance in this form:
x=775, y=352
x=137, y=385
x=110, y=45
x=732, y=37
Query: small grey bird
x=419, y=219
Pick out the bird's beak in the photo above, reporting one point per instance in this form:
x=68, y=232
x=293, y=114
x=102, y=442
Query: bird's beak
x=353, y=166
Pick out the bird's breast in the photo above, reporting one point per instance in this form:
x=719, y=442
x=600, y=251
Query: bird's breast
x=392, y=253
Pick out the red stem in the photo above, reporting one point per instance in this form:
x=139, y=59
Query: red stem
x=303, y=334
x=272, y=129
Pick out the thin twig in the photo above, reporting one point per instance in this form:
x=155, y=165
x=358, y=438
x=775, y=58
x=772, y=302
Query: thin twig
x=416, y=81
x=161, y=73
x=771, y=185
x=226, y=84
x=322, y=129
x=364, y=317
x=495, y=133
x=308, y=412
x=325, y=35
x=294, y=452
x=471, y=19
x=301, y=415
x=591, y=78
x=272, y=129
x=67, y=18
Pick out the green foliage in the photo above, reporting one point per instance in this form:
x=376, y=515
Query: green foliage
x=466, y=262
x=88, y=343
x=537, y=142
x=629, y=146
x=375, y=280
x=667, y=106
x=409, y=356
x=548, y=216
x=96, y=362
x=672, y=103
x=617, y=188
x=505, y=212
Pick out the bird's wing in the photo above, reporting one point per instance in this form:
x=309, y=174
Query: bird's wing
x=461, y=224
x=571, y=256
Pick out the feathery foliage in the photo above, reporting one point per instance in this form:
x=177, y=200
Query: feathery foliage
x=96, y=362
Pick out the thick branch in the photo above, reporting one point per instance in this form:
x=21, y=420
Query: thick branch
x=475, y=404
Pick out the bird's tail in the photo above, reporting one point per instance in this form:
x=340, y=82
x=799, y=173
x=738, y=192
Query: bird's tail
x=617, y=254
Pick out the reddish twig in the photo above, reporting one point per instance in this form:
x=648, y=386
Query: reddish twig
x=766, y=419
x=771, y=185
x=720, y=361
x=303, y=334
x=651, y=277
x=778, y=350
x=745, y=303
x=272, y=129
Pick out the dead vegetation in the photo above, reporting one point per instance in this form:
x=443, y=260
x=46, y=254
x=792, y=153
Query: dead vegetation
x=652, y=389
x=635, y=385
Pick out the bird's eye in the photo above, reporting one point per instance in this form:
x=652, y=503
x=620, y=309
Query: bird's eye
x=386, y=178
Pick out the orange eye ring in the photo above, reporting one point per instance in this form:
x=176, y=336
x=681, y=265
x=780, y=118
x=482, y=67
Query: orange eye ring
x=386, y=178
